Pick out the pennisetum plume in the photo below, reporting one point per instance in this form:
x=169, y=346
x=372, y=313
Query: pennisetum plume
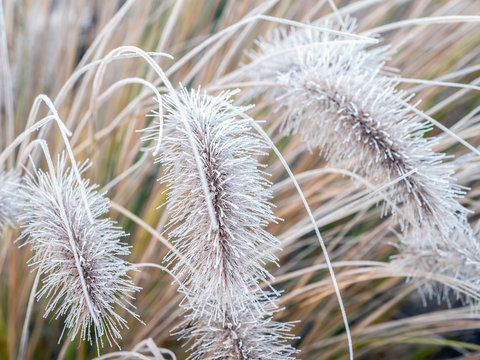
x=85, y=277
x=456, y=261
x=339, y=97
x=228, y=315
x=255, y=336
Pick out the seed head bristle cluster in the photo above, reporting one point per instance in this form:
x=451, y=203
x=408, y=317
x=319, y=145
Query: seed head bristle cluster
x=70, y=250
x=9, y=200
x=222, y=268
x=456, y=260
x=251, y=338
x=338, y=96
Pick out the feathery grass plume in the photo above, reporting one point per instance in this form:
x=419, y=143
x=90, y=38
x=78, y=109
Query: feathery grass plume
x=254, y=337
x=338, y=97
x=458, y=262
x=222, y=268
x=9, y=200
x=81, y=262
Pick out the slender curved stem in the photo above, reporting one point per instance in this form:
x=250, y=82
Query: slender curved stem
x=317, y=232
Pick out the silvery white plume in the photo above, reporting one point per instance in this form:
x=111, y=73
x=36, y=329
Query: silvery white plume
x=457, y=263
x=254, y=337
x=221, y=268
x=336, y=96
x=85, y=276
x=339, y=98
x=9, y=200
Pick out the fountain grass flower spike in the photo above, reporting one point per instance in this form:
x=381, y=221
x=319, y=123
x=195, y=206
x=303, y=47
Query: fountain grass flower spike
x=228, y=315
x=339, y=98
x=256, y=336
x=80, y=260
x=455, y=263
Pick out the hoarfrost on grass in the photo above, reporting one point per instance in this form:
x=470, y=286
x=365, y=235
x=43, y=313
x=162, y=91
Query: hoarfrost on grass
x=63, y=239
x=222, y=269
x=339, y=97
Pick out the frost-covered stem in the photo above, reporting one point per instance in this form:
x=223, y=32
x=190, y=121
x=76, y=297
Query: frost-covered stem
x=64, y=132
x=79, y=178
x=7, y=81
x=18, y=140
x=182, y=61
x=79, y=71
x=28, y=315
x=445, y=129
x=97, y=81
x=63, y=215
x=317, y=232
x=201, y=171
x=33, y=114
x=104, y=96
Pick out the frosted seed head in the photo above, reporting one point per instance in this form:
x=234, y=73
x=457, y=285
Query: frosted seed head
x=225, y=308
x=220, y=266
x=81, y=262
x=337, y=93
x=438, y=267
x=256, y=336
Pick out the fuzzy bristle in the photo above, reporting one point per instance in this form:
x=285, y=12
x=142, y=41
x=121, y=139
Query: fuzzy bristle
x=340, y=99
x=254, y=337
x=337, y=97
x=222, y=268
x=53, y=219
x=456, y=260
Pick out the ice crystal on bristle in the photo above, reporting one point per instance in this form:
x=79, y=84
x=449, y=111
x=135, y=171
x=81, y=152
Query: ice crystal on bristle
x=222, y=268
x=9, y=200
x=338, y=98
x=47, y=221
